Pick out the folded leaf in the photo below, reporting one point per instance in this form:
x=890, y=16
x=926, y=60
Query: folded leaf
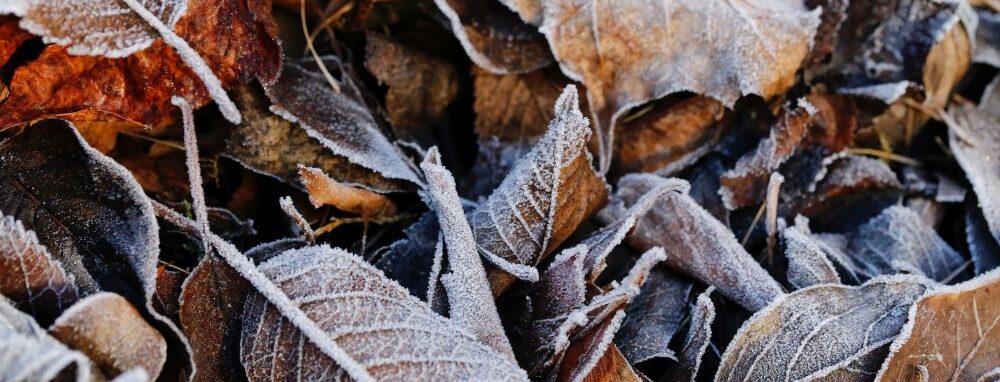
x=493, y=37
x=698, y=339
x=27, y=353
x=324, y=190
x=31, y=277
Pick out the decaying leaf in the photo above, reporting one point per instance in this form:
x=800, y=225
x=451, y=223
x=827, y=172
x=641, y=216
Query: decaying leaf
x=670, y=135
x=953, y=334
x=339, y=120
x=236, y=40
x=700, y=246
x=516, y=108
x=325, y=191
x=367, y=316
x=31, y=277
x=543, y=199
x=493, y=37
x=653, y=316
x=28, y=353
x=211, y=308
x=808, y=264
x=698, y=339
x=109, y=330
x=595, y=358
x=13, y=36
x=985, y=250
x=817, y=331
x=849, y=191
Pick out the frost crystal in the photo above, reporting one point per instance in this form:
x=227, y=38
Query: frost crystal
x=34, y=280
x=808, y=264
x=28, y=353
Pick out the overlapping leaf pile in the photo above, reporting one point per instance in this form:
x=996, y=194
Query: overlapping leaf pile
x=550, y=190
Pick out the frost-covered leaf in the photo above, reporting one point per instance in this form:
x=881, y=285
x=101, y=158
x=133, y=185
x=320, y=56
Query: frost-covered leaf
x=953, y=334
x=386, y=333
x=849, y=191
x=697, y=341
x=817, y=331
x=236, y=39
x=493, y=37
x=543, y=199
x=596, y=358
x=653, y=316
x=629, y=53
x=409, y=260
x=671, y=135
x=808, y=264
x=109, y=330
x=211, y=312
x=516, y=108
x=699, y=245
x=28, y=353
x=325, y=191
x=987, y=47
x=339, y=120
x=470, y=300
x=30, y=276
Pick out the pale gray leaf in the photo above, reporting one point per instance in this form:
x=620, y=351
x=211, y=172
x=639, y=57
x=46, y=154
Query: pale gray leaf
x=28, y=353
x=985, y=250
x=987, y=47
x=974, y=138
x=808, y=264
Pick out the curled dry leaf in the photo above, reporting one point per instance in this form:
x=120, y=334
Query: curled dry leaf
x=366, y=315
x=700, y=246
x=849, y=191
x=339, y=120
x=493, y=37
x=109, y=330
x=952, y=334
x=13, y=37
x=236, y=40
x=539, y=204
x=671, y=135
x=28, y=353
x=818, y=331
x=629, y=53
x=325, y=191
x=211, y=308
x=32, y=278
x=653, y=316
x=698, y=339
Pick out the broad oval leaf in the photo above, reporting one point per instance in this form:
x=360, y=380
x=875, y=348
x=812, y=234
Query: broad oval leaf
x=389, y=333
x=817, y=331
x=31, y=277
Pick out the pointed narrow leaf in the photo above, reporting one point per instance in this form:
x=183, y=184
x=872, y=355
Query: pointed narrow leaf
x=698, y=338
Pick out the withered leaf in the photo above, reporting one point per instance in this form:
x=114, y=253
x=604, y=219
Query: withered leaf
x=700, y=246
x=698, y=338
x=366, y=315
x=850, y=191
x=543, y=199
x=325, y=191
x=339, y=120
x=211, y=308
x=109, y=330
x=952, y=334
x=409, y=260
x=13, y=36
x=594, y=358
x=808, y=264
x=236, y=40
x=653, y=316
x=814, y=332
x=27, y=352
x=493, y=37
x=32, y=278
x=672, y=134
x=629, y=53
x=516, y=108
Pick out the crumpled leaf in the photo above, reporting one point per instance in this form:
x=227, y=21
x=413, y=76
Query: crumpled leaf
x=31, y=277
x=367, y=316
x=211, y=308
x=543, y=199
x=420, y=86
x=109, y=330
x=952, y=334
x=815, y=332
x=628, y=53
x=808, y=264
x=653, y=316
x=236, y=39
x=700, y=246
x=596, y=358
x=339, y=120
x=698, y=338
x=27, y=352
x=493, y=37
x=849, y=191
x=324, y=190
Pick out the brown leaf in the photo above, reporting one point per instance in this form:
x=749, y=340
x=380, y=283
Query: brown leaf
x=28, y=353
x=236, y=39
x=323, y=190
x=543, y=199
x=699, y=245
x=670, y=134
x=113, y=334
x=166, y=300
x=953, y=334
x=494, y=37
x=211, y=311
x=516, y=108
x=31, y=277
x=596, y=359
x=13, y=37
x=420, y=86
x=814, y=332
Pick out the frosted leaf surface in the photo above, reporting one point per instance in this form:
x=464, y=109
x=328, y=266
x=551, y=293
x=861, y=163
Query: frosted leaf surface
x=470, y=301
x=113, y=334
x=699, y=336
x=699, y=245
x=340, y=121
x=808, y=264
x=974, y=137
x=28, y=353
x=211, y=311
x=386, y=332
x=33, y=279
x=953, y=332
x=653, y=316
x=544, y=197
x=814, y=332
x=563, y=286
x=629, y=52
x=493, y=37
x=409, y=260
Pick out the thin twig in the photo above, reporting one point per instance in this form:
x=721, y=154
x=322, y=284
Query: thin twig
x=753, y=224
x=885, y=155
x=312, y=49
x=337, y=222
x=171, y=144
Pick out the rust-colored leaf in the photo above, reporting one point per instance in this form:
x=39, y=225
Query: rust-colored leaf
x=211, y=312
x=670, y=134
x=494, y=37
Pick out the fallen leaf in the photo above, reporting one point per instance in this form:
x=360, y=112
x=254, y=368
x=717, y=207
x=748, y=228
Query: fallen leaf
x=109, y=330
x=168, y=291
x=324, y=190
x=808, y=264
x=985, y=250
x=236, y=39
x=814, y=332
x=595, y=358
x=493, y=37
x=673, y=134
x=408, y=261
x=652, y=318
x=700, y=246
x=13, y=37
x=952, y=334
x=211, y=308
x=987, y=46
x=27, y=352
x=850, y=190
x=545, y=196
x=34, y=280
x=698, y=339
